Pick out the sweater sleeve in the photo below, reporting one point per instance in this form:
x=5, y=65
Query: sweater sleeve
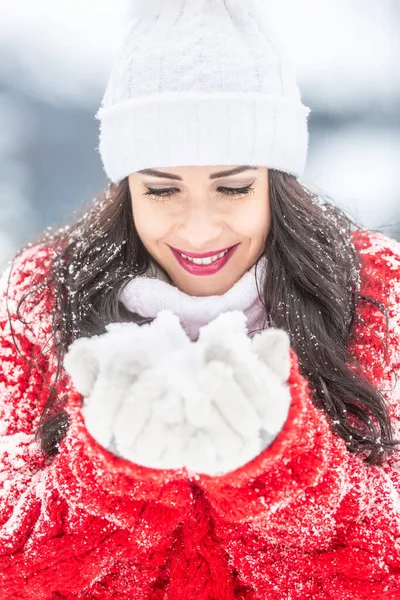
x=78, y=507
x=22, y=397
x=306, y=481
x=86, y=477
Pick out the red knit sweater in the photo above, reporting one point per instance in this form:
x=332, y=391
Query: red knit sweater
x=304, y=519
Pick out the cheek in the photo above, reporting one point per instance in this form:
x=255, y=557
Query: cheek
x=254, y=220
x=150, y=223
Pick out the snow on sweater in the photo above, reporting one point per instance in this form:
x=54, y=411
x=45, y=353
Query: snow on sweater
x=303, y=519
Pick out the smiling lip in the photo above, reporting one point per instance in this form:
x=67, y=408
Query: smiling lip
x=210, y=269
x=204, y=255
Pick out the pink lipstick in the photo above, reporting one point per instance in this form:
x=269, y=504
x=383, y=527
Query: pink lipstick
x=207, y=269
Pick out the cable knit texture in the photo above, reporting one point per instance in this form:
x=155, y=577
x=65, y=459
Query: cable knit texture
x=202, y=82
x=303, y=519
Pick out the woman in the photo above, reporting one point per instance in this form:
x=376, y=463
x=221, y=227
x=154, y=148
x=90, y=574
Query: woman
x=199, y=88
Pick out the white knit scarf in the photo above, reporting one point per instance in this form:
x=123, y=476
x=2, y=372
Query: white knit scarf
x=149, y=293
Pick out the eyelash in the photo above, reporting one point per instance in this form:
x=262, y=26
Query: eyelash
x=166, y=193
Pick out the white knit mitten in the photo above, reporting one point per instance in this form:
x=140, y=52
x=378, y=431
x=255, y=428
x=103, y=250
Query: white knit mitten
x=160, y=400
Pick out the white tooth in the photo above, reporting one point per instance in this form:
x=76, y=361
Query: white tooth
x=205, y=261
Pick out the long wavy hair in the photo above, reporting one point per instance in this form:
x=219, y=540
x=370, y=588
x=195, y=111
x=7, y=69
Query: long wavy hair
x=311, y=290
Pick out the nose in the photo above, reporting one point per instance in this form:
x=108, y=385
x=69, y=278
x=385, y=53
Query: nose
x=200, y=229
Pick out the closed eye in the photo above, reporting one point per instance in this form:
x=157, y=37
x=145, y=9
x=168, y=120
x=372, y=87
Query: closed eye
x=231, y=192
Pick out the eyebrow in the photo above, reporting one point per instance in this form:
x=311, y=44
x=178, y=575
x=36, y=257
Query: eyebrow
x=235, y=171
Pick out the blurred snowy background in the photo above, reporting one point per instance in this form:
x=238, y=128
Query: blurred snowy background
x=54, y=64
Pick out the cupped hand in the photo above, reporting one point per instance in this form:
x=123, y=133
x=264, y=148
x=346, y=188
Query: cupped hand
x=156, y=398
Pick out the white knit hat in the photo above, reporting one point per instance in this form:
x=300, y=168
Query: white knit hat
x=201, y=82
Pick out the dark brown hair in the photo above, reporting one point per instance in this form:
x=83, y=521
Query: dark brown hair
x=311, y=291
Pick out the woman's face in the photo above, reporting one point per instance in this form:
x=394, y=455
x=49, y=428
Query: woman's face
x=202, y=210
